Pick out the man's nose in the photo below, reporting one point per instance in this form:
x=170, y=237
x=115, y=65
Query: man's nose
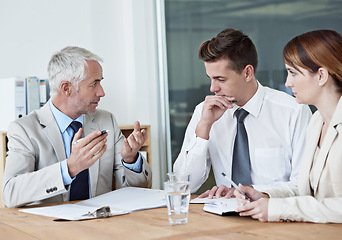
x=213, y=87
x=101, y=92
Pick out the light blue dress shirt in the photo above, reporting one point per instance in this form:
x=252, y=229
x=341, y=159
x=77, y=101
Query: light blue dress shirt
x=63, y=122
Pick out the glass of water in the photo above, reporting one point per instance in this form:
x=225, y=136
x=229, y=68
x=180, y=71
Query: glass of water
x=178, y=177
x=177, y=201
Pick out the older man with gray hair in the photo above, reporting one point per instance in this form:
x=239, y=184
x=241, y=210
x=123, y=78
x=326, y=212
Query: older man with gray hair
x=68, y=150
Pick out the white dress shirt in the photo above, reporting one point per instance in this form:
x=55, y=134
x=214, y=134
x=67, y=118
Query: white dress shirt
x=275, y=126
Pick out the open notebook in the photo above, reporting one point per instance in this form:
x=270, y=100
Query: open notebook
x=220, y=206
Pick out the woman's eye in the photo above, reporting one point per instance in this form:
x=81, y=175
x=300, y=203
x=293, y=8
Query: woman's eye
x=292, y=73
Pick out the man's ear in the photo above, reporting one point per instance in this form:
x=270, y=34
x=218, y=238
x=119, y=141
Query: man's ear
x=249, y=72
x=66, y=88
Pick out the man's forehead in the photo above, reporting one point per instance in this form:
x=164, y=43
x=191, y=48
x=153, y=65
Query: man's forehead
x=93, y=63
x=216, y=66
x=93, y=67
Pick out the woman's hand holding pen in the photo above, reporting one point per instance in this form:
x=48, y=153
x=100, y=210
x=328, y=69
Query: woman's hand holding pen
x=258, y=208
x=250, y=192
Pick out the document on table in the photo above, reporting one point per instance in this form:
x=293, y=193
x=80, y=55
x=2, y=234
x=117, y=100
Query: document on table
x=220, y=206
x=120, y=201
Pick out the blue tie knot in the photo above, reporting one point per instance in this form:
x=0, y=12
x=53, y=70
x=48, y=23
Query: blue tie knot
x=75, y=126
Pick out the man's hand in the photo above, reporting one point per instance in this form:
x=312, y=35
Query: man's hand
x=217, y=192
x=86, y=151
x=133, y=143
x=214, y=107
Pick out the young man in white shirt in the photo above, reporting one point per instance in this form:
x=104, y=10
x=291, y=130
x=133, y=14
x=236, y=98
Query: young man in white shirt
x=275, y=124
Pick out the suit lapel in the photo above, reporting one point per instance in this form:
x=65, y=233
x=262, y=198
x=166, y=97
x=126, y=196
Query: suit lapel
x=51, y=131
x=323, y=154
x=89, y=127
x=312, y=137
x=328, y=141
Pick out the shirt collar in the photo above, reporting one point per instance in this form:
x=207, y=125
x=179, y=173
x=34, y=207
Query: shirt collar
x=253, y=106
x=63, y=121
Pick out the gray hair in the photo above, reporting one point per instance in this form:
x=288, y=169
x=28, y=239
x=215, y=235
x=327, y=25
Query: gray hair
x=69, y=65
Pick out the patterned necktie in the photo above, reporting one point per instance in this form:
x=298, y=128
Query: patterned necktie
x=241, y=162
x=79, y=187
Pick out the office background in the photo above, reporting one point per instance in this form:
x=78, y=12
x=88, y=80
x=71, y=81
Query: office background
x=151, y=70
x=122, y=32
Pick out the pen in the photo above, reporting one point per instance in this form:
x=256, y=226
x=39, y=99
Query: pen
x=236, y=186
x=102, y=132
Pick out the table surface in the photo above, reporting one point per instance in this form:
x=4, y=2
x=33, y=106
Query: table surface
x=153, y=224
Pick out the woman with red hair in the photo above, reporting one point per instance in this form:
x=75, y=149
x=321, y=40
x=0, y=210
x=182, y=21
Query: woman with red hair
x=314, y=64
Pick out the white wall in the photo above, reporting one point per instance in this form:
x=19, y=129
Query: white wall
x=122, y=32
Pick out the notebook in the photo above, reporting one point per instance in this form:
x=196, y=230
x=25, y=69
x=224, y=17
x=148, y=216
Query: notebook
x=221, y=206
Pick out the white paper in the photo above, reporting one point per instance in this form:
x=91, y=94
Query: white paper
x=199, y=200
x=69, y=211
x=120, y=201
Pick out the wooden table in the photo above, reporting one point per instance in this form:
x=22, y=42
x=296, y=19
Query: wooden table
x=153, y=224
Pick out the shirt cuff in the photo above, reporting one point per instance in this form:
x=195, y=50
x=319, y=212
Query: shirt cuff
x=136, y=167
x=65, y=173
x=275, y=209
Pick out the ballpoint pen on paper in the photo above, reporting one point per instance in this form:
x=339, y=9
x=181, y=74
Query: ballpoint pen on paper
x=102, y=132
x=236, y=186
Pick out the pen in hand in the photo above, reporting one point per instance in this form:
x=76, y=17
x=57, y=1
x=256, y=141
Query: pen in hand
x=102, y=132
x=236, y=186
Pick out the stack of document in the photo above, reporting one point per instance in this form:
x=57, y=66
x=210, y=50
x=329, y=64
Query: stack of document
x=121, y=201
